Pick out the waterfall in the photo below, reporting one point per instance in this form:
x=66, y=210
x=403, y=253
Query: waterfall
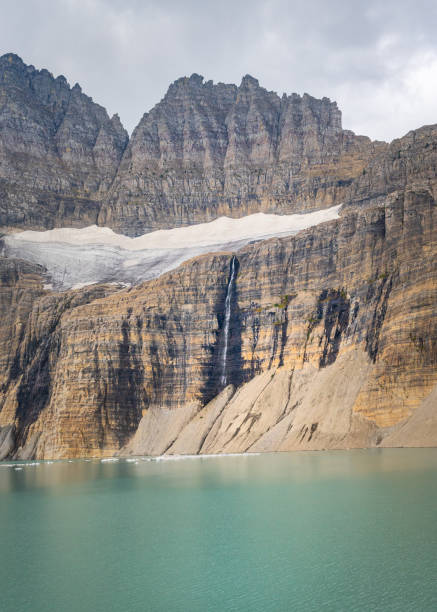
x=227, y=322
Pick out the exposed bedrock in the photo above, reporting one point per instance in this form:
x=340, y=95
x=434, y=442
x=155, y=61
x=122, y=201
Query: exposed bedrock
x=202, y=152
x=325, y=339
x=331, y=343
x=210, y=150
x=59, y=150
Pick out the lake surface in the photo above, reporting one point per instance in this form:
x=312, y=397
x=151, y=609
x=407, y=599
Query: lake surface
x=352, y=531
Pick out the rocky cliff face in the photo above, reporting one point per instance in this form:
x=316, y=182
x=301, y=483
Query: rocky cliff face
x=204, y=151
x=210, y=150
x=326, y=339
x=59, y=151
x=331, y=342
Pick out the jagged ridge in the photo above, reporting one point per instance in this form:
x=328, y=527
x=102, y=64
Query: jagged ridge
x=59, y=151
x=202, y=152
x=331, y=336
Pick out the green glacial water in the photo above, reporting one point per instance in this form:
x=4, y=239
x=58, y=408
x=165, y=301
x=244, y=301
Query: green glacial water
x=352, y=531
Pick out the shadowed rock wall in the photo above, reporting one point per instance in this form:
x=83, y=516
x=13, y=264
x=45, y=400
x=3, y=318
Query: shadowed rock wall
x=59, y=151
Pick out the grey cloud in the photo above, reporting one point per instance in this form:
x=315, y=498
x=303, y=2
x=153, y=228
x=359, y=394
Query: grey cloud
x=377, y=59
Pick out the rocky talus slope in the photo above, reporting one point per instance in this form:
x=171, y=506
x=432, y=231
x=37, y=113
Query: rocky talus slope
x=324, y=339
x=330, y=342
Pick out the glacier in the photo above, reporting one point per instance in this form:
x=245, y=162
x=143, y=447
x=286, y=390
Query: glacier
x=74, y=258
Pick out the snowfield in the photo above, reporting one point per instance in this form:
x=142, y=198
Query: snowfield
x=77, y=257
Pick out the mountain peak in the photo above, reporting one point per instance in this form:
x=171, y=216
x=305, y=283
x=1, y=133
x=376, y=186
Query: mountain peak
x=196, y=79
x=11, y=58
x=249, y=81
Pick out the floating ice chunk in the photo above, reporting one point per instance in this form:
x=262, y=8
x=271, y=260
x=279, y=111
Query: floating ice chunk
x=211, y=456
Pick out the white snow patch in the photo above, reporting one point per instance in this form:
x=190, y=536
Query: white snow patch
x=75, y=258
x=223, y=229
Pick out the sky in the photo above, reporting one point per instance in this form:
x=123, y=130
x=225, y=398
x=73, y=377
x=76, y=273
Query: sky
x=376, y=58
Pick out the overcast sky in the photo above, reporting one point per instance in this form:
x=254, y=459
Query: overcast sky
x=376, y=58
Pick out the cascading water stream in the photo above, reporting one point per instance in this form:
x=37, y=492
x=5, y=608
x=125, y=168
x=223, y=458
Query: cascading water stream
x=227, y=322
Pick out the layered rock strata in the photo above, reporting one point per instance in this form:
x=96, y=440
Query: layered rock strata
x=211, y=150
x=204, y=151
x=59, y=151
x=331, y=343
x=325, y=339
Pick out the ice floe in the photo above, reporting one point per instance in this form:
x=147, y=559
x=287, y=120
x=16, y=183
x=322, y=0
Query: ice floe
x=210, y=456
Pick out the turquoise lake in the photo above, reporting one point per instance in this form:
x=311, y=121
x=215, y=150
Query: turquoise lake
x=352, y=531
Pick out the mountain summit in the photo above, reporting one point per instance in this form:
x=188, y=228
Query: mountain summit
x=223, y=341
x=203, y=151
